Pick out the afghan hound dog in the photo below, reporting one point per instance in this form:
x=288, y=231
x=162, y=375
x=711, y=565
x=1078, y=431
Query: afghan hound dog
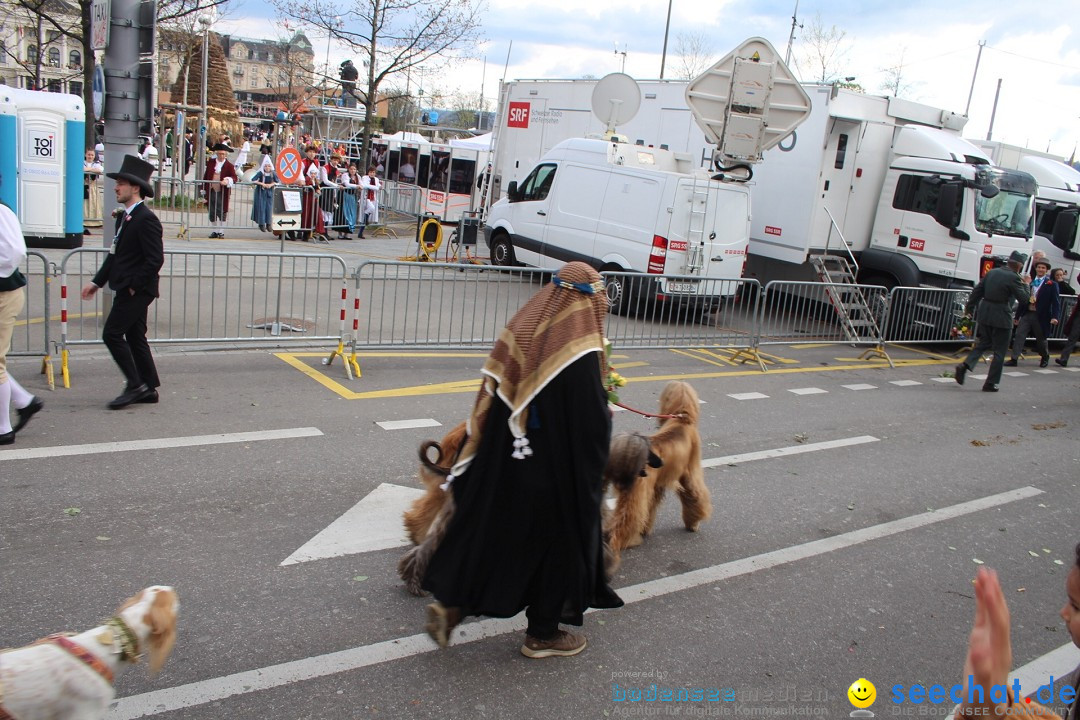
x=421, y=515
x=678, y=445
x=426, y=520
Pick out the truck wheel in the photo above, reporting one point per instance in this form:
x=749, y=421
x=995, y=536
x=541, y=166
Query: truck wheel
x=502, y=251
x=618, y=290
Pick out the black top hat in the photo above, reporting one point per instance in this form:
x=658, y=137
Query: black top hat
x=136, y=171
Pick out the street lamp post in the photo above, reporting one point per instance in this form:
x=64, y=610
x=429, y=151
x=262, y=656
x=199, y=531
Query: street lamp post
x=200, y=161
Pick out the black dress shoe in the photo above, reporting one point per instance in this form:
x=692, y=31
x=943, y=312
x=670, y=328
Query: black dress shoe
x=1062, y=363
x=1010, y=363
x=961, y=372
x=7, y=438
x=150, y=398
x=129, y=396
x=1045, y=361
x=27, y=412
x=990, y=388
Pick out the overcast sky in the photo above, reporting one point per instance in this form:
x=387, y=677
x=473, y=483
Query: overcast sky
x=1033, y=47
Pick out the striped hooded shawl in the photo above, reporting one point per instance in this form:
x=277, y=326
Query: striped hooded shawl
x=558, y=325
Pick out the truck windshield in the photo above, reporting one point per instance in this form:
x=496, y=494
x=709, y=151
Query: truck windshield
x=1007, y=213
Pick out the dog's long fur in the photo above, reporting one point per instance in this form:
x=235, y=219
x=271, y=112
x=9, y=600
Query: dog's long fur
x=678, y=445
x=43, y=680
x=428, y=517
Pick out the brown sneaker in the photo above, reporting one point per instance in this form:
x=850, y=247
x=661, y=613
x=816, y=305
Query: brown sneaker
x=563, y=644
x=441, y=622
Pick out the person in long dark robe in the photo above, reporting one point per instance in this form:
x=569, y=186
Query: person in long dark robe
x=263, y=206
x=526, y=530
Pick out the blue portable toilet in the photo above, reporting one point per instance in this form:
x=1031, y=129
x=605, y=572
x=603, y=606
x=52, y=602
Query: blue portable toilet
x=43, y=172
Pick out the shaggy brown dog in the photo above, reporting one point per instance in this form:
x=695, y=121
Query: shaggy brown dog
x=678, y=445
x=428, y=517
x=419, y=517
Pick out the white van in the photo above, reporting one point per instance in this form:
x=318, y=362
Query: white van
x=622, y=207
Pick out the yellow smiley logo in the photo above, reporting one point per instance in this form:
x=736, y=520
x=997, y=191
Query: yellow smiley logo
x=862, y=693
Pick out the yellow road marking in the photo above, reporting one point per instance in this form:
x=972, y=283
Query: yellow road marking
x=777, y=358
x=464, y=386
x=623, y=366
x=719, y=362
x=925, y=352
x=810, y=346
x=54, y=318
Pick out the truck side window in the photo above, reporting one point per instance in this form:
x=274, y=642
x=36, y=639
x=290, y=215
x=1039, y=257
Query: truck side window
x=918, y=194
x=841, y=151
x=537, y=184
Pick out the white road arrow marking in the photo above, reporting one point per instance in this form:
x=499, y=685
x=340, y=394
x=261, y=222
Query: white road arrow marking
x=374, y=523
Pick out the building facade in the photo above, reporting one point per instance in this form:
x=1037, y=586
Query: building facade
x=264, y=73
x=34, y=53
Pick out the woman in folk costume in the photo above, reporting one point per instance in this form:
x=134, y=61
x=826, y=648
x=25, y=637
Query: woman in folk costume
x=526, y=528
x=92, y=169
x=219, y=178
x=263, y=206
x=369, y=199
x=351, y=187
x=310, y=216
x=329, y=189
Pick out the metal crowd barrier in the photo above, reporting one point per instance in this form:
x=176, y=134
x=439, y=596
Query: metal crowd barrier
x=666, y=311
x=219, y=297
x=925, y=315
x=32, y=333
x=435, y=305
x=443, y=306
x=401, y=198
x=807, y=312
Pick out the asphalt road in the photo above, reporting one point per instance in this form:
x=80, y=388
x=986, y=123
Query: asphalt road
x=820, y=565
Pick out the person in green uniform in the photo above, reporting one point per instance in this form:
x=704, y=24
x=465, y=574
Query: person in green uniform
x=995, y=296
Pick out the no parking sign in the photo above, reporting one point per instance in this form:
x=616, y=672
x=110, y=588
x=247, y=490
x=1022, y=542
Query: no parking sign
x=288, y=165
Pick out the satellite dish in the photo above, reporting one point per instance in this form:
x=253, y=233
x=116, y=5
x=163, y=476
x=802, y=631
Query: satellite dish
x=615, y=100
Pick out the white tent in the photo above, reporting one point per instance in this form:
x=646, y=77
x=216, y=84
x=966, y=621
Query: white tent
x=480, y=142
x=409, y=137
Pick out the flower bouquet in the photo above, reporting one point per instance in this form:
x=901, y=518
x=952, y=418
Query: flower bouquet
x=614, y=380
x=964, y=329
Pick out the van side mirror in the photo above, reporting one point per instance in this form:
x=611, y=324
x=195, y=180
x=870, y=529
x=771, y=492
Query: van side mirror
x=948, y=204
x=1064, y=235
x=512, y=190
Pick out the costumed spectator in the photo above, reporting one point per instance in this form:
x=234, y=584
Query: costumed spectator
x=218, y=180
x=131, y=270
x=1038, y=315
x=526, y=530
x=263, y=205
x=242, y=156
x=995, y=296
x=92, y=215
x=189, y=151
x=1064, y=288
x=1072, y=336
x=369, y=199
x=12, y=300
x=310, y=216
x=329, y=190
x=989, y=656
x=349, y=201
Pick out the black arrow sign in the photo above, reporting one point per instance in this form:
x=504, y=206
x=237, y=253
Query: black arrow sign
x=282, y=222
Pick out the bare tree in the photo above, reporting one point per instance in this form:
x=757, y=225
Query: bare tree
x=894, y=83
x=394, y=36
x=694, y=54
x=72, y=19
x=823, y=53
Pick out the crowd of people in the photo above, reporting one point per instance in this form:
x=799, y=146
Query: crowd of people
x=1013, y=305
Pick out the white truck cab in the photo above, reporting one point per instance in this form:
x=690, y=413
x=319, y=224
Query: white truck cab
x=1057, y=202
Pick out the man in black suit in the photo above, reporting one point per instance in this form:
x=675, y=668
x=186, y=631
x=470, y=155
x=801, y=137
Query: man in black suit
x=995, y=297
x=131, y=270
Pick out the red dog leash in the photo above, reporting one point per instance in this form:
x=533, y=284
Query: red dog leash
x=647, y=414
